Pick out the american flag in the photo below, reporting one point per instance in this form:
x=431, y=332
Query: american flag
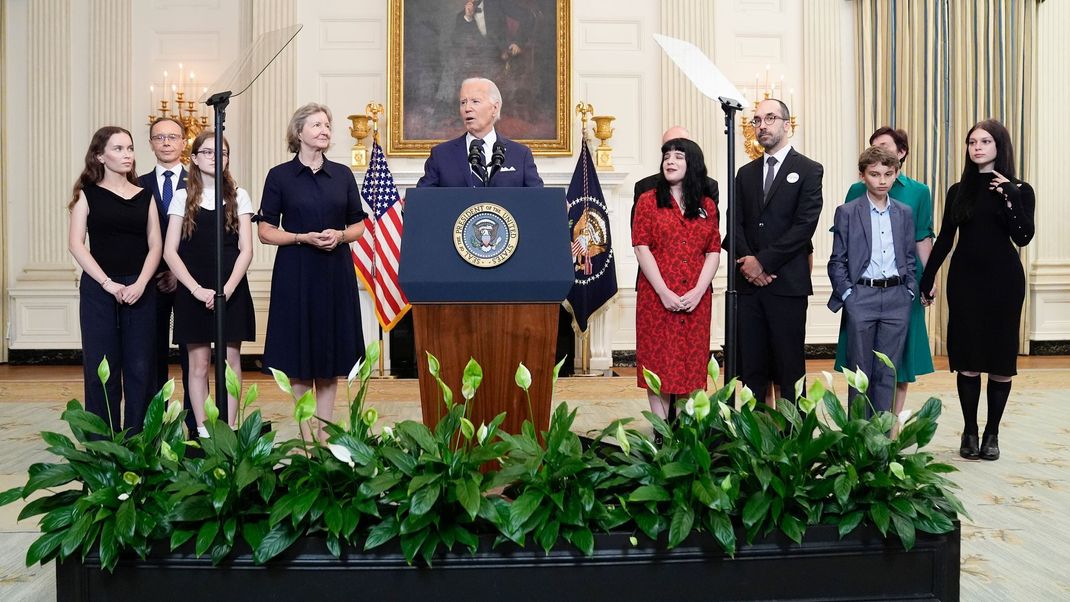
x=376, y=254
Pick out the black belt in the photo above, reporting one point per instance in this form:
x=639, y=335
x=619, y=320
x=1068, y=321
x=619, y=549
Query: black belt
x=881, y=282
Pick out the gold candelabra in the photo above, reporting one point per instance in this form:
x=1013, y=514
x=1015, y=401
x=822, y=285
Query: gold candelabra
x=175, y=102
x=362, y=126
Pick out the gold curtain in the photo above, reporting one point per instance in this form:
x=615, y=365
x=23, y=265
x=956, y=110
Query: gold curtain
x=936, y=67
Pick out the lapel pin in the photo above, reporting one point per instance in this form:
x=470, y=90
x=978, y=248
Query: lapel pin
x=793, y=178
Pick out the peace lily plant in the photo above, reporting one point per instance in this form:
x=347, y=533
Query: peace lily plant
x=732, y=474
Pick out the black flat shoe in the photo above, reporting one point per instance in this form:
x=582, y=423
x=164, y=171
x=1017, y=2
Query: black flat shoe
x=968, y=448
x=990, y=447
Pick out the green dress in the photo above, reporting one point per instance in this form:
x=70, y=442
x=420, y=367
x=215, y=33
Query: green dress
x=917, y=359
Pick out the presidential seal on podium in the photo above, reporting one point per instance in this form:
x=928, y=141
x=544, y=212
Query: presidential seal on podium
x=485, y=235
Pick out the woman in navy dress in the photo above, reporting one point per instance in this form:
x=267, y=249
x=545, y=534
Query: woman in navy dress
x=117, y=300
x=311, y=210
x=190, y=253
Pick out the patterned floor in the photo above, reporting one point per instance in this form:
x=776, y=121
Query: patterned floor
x=1014, y=546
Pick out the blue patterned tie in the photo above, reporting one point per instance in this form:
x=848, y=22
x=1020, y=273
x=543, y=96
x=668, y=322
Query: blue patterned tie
x=168, y=191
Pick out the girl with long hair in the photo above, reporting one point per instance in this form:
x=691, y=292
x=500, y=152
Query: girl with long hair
x=190, y=253
x=992, y=212
x=678, y=245
x=116, y=305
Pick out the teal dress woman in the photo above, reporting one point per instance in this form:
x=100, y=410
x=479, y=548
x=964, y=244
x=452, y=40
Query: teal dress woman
x=917, y=359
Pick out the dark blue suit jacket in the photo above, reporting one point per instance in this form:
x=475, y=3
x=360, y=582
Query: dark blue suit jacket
x=148, y=180
x=447, y=167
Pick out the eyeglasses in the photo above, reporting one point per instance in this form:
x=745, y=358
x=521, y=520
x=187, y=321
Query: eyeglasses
x=210, y=152
x=167, y=137
x=769, y=120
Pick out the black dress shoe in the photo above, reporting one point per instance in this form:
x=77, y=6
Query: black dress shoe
x=968, y=448
x=990, y=447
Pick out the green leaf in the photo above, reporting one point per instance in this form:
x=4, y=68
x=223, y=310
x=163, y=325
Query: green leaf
x=904, y=528
x=887, y=361
x=125, y=521
x=467, y=491
x=121, y=453
x=683, y=518
x=755, y=509
x=15, y=493
x=419, y=434
x=721, y=526
x=44, y=548
x=897, y=469
x=57, y=519
x=179, y=537
x=282, y=381
x=305, y=407
x=52, y=476
x=522, y=377
x=277, y=539
x=792, y=527
x=881, y=515
x=583, y=539
x=557, y=370
x=109, y=547
x=233, y=384
x=524, y=506
x=848, y=523
x=424, y=499
x=332, y=517
x=205, y=536
x=649, y=493
x=384, y=531
x=76, y=535
x=653, y=381
x=467, y=428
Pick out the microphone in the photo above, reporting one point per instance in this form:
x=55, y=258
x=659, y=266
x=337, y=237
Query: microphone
x=475, y=159
x=497, y=158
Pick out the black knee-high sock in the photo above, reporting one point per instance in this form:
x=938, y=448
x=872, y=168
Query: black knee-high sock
x=998, y=392
x=969, y=396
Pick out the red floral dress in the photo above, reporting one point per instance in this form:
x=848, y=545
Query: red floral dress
x=674, y=345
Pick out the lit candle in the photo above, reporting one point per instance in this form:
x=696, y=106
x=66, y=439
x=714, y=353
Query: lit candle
x=782, y=85
x=152, y=99
x=192, y=84
x=791, y=99
x=174, y=89
x=757, y=87
x=164, y=88
x=180, y=70
x=767, y=77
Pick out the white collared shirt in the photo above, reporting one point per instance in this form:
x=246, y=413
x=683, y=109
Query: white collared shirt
x=480, y=18
x=177, y=174
x=780, y=156
x=488, y=144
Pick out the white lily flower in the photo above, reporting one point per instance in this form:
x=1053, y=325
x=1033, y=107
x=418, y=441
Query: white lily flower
x=905, y=415
x=354, y=372
x=342, y=453
x=689, y=407
x=388, y=432
x=123, y=497
x=828, y=378
x=481, y=433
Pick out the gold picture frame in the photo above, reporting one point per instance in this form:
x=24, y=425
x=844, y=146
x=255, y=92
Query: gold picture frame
x=431, y=52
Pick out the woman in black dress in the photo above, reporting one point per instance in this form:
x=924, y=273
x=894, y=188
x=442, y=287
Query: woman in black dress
x=190, y=253
x=992, y=211
x=311, y=210
x=116, y=304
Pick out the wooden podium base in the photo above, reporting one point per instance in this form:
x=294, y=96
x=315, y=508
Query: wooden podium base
x=499, y=336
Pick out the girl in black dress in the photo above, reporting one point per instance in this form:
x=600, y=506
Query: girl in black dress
x=190, y=253
x=116, y=304
x=992, y=211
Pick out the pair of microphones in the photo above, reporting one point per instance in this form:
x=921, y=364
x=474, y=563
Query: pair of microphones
x=475, y=159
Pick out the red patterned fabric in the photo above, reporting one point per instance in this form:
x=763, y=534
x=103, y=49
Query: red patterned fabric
x=673, y=345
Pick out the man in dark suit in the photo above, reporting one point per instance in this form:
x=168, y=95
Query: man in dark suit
x=168, y=139
x=872, y=273
x=775, y=213
x=448, y=165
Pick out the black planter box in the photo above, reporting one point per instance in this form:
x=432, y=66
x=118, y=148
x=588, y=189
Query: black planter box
x=862, y=566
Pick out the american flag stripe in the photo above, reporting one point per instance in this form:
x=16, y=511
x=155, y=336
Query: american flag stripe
x=377, y=253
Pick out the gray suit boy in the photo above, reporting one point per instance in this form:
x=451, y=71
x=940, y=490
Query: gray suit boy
x=877, y=309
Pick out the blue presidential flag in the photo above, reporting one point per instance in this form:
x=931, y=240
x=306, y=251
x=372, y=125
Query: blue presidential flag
x=592, y=247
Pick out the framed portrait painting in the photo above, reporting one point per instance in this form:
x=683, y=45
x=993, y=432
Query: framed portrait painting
x=524, y=46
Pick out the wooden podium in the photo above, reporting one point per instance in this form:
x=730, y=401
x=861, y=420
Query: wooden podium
x=500, y=313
